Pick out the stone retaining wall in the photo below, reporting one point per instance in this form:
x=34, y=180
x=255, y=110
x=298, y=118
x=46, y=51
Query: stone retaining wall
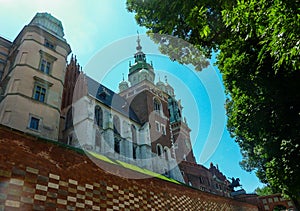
x=36, y=174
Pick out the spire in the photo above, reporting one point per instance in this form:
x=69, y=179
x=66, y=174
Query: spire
x=138, y=47
x=166, y=79
x=123, y=85
x=140, y=68
x=139, y=55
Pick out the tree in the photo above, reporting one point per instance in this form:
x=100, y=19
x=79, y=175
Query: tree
x=259, y=57
x=264, y=191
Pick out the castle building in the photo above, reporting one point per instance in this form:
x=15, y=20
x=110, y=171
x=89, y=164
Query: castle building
x=132, y=126
x=43, y=95
x=32, y=74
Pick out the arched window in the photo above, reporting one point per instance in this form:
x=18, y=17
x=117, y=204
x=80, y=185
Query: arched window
x=117, y=145
x=98, y=116
x=116, y=122
x=134, y=148
x=69, y=118
x=157, y=105
x=134, y=141
x=134, y=135
x=159, y=149
x=167, y=153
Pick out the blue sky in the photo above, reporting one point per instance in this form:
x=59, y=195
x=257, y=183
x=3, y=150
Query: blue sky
x=102, y=34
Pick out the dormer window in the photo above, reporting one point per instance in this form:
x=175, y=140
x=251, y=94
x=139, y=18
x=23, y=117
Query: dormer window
x=104, y=93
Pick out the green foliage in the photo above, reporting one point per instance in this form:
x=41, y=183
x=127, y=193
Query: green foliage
x=190, y=20
x=264, y=191
x=258, y=55
x=180, y=50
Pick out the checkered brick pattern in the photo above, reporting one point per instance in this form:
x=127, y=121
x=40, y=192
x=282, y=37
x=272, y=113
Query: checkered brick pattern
x=29, y=190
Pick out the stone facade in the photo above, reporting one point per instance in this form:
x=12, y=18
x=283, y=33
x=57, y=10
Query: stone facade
x=32, y=80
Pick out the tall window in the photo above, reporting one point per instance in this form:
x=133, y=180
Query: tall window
x=157, y=126
x=34, y=123
x=133, y=131
x=45, y=66
x=134, y=148
x=39, y=93
x=163, y=129
x=134, y=141
x=98, y=116
x=157, y=106
x=167, y=153
x=116, y=122
x=158, y=149
x=46, y=62
x=117, y=145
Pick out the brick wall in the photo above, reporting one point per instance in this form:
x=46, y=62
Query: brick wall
x=37, y=174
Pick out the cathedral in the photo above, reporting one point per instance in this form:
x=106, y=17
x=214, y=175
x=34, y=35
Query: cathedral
x=45, y=95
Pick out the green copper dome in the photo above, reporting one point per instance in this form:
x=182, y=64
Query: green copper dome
x=48, y=23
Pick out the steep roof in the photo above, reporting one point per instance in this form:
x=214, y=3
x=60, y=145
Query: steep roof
x=110, y=99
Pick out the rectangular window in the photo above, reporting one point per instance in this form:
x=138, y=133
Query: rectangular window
x=157, y=126
x=163, y=129
x=49, y=44
x=45, y=66
x=34, y=123
x=46, y=62
x=201, y=180
x=39, y=93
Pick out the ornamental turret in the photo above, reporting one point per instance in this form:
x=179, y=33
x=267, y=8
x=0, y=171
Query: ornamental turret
x=123, y=85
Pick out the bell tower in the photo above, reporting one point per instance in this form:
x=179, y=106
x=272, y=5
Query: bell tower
x=140, y=70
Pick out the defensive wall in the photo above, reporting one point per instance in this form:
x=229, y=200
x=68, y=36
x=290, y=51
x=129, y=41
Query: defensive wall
x=37, y=174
